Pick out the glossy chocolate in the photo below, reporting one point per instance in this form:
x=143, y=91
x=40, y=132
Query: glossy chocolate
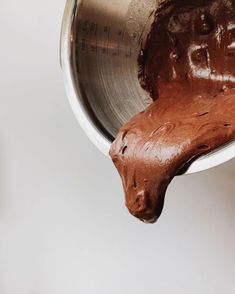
x=188, y=67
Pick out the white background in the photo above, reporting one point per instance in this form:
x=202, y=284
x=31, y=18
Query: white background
x=63, y=224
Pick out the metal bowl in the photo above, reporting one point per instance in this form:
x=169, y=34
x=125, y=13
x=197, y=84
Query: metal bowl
x=100, y=44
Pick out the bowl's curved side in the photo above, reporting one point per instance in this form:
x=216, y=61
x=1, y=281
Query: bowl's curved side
x=73, y=93
x=213, y=159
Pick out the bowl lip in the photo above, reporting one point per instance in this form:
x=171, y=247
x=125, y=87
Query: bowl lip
x=73, y=93
x=213, y=159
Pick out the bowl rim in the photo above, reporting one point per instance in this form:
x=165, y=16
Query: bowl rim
x=213, y=159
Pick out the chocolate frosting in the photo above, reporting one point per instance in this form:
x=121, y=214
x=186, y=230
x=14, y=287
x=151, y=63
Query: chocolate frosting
x=188, y=68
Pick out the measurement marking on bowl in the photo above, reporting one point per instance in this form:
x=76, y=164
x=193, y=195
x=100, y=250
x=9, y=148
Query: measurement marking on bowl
x=111, y=41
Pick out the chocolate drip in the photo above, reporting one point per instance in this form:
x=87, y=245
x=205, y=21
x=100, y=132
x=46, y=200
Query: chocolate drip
x=188, y=67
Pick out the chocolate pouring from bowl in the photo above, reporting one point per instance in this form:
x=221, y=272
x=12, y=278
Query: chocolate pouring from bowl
x=100, y=44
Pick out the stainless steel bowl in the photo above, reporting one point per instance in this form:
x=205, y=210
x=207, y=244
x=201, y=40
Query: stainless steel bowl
x=100, y=44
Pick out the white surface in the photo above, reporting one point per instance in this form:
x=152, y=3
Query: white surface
x=63, y=225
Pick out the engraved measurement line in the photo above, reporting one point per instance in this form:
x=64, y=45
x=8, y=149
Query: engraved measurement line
x=96, y=38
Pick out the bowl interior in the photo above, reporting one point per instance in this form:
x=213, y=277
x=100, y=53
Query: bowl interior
x=107, y=38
